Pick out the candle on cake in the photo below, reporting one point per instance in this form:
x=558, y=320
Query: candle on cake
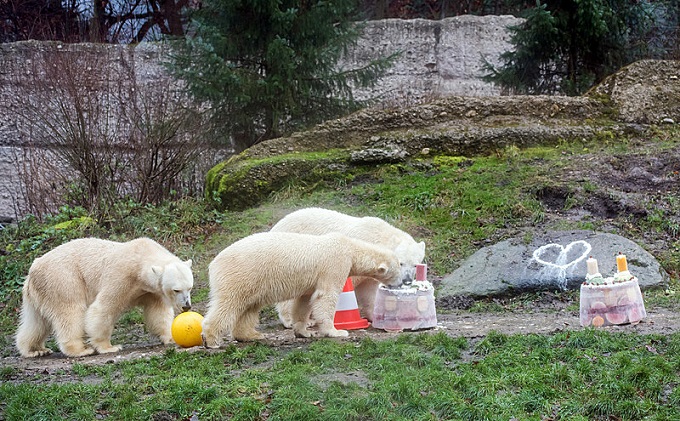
x=593, y=276
x=592, y=266
x=421, y=272
x=621, y=262
x=622, y=266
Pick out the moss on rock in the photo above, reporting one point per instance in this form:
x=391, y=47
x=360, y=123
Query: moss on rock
x=240, y=183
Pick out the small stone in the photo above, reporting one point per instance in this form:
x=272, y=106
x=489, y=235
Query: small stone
x=668, y=120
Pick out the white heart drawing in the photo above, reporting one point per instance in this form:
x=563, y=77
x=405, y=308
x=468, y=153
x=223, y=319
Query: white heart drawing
x=562, y=253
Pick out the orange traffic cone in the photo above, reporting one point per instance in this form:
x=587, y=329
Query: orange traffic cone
x=347, y=310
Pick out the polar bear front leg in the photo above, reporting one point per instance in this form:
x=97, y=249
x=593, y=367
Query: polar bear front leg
x=218, y=320
x=158, y=318
x=365, y=290
x=323, y=305
x=99, y=320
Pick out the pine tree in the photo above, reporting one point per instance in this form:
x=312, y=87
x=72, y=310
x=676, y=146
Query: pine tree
x=565, y=46
x=268, y=67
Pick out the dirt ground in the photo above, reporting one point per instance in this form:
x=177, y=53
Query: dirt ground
x=549, y=313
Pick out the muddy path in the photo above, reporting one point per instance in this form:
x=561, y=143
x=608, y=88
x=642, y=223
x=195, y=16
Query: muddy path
x=538, y=318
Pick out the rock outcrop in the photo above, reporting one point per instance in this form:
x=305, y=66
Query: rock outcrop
x=515, y=266
x=641, y=94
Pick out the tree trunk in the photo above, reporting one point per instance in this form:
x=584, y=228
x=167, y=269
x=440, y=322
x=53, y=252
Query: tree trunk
x=97, y=23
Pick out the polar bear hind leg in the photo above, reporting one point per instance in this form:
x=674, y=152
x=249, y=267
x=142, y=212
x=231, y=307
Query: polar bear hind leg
x=298, y=310
x=32, y=332
x=69, y=331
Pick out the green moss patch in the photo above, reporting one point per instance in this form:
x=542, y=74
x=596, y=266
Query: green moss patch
x=239, y=184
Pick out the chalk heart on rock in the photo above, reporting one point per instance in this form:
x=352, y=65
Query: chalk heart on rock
x=557, y=256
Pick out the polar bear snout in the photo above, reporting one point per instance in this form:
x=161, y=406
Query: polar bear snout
x=183, y=300
x=177, y=281
x=407, y=274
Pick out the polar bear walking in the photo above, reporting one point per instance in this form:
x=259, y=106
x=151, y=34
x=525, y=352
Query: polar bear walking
x=319, y=221
x=269, y=267
x=81, y=288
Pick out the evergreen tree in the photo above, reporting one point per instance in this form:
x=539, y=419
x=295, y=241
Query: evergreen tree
x=267, y=67
x=565, y=46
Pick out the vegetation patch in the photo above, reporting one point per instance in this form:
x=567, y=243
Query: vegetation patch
x=582, y=375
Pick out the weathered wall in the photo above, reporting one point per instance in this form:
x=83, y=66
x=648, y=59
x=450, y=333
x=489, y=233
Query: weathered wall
x=438, y=58
x=109, y=72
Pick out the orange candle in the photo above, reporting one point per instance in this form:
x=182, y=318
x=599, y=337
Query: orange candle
x=621, y=263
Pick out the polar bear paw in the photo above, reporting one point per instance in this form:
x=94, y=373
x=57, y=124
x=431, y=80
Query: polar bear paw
x=103, y=346
x=108, y=349
x=303, y=333
x=39, y=353
x=76, y=348
x=248, y=337
x=212, y=343
x=84, y=353
x=335, y=333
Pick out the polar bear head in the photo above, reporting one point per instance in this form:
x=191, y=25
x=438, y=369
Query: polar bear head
x=409, y=254
x=176, y=281
x=389, y=272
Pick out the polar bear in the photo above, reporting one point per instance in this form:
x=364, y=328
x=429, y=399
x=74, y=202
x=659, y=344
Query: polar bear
x=265, y=268
x=375, y=230
x=82, y=287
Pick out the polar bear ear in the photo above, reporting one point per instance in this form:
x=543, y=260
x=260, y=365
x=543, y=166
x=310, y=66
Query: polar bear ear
x=157, y=270
x=188, y=262
x=383, y=268
x=422, y=246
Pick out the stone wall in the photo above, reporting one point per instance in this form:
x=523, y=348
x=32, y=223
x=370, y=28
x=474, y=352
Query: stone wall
x=29, y=71
x=437, y=58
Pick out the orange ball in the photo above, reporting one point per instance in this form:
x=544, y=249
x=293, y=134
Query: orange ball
x=186, y=329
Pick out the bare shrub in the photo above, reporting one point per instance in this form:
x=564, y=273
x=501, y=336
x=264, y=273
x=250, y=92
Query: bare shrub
x=96, y=136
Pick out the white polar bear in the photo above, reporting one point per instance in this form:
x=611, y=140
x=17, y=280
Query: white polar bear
x=319, y=221
x=82, y=287
x=269, y=267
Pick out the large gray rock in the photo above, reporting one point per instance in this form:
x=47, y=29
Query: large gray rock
x=550, y=261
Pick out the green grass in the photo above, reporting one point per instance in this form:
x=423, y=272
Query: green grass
x=575, y=375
